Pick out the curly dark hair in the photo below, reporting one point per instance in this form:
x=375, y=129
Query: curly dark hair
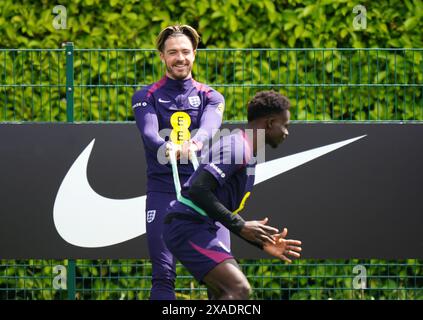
x=266, y=103
x=176, y=30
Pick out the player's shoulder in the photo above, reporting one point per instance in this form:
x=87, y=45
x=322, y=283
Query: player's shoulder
x=200, y=86
x=147, y=91
x=142, y=93
x=207, y=90
x=233, y=142
x=233, y=150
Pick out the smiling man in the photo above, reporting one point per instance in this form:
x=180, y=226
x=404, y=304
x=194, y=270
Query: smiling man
x=181, y=104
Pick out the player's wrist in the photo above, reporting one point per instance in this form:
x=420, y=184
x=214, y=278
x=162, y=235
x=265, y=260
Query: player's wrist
x=197, y=144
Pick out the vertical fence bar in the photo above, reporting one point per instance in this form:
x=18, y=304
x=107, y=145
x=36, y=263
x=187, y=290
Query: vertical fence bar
x=69, y=118
x=71, y=279
x=69, y=81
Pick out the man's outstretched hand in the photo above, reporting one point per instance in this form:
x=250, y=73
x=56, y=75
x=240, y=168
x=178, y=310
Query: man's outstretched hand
x=258, y=232
x=282, y=248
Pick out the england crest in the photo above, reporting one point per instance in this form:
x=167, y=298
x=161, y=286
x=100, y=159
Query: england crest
x=194, y=101
x=151, y=214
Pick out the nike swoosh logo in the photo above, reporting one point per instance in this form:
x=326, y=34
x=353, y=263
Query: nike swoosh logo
x=164, y=101
x=84, y=218
x=273, y=168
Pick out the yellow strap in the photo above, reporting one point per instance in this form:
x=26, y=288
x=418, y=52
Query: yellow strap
x=242, y=204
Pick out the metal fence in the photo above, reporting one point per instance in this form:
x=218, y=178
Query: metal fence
x=78, y=85
x=72, y=84
x=270, y=279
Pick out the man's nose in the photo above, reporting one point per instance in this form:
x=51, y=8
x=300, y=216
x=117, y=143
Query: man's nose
x=179, y=56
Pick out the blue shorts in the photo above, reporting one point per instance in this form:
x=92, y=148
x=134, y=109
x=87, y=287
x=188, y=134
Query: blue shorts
x=196, y=242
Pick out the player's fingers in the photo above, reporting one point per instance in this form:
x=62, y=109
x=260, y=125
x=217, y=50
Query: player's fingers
x=269, y=229
x=267, y=238
x=278, y=237
x=284, y=232
x=292, y=253
x=294, y=248
x=187, y=147
x=264, y=221
x=292, y=242
x=285, y=259
x=260, y=241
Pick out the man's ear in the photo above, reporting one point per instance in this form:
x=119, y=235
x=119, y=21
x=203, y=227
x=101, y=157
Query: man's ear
x=269, y=122
x=162, y=56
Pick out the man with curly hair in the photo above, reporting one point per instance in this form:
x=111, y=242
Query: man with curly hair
x=217, y=191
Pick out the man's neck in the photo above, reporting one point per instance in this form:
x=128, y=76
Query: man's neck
x=253, y=126
x=186, y=78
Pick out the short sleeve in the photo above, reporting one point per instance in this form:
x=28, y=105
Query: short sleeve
x=225, y=158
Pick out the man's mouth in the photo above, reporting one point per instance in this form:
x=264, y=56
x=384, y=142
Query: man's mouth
x=180, y=67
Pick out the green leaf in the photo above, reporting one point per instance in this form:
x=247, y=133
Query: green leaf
x=299, y=31
x=202, y=8
x=343, y=33
x=131, y=16
x=269, y=5
x=383, y=28
x=308, y=10
x=206, y=35
x=411, y=23
x=233, y=23
x=289, y=25
x=112, y=17
x=291, y=42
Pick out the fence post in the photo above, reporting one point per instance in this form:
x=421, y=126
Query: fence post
x=71, y=279
x=69, y=81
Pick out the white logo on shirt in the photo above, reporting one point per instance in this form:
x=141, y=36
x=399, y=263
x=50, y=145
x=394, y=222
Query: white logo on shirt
x=139, y=104
x=194, y=101
x=163, y=101
x=218, y=170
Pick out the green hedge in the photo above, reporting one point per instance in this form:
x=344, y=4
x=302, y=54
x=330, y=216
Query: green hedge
x=322, y=85
x=270, y=279
x=221, y=23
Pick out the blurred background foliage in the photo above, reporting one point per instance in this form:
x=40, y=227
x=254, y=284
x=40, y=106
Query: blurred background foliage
x=331, y=84
x=221, y=23
x=322, y=84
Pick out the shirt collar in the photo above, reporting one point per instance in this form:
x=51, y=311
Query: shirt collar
x=179, y=84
